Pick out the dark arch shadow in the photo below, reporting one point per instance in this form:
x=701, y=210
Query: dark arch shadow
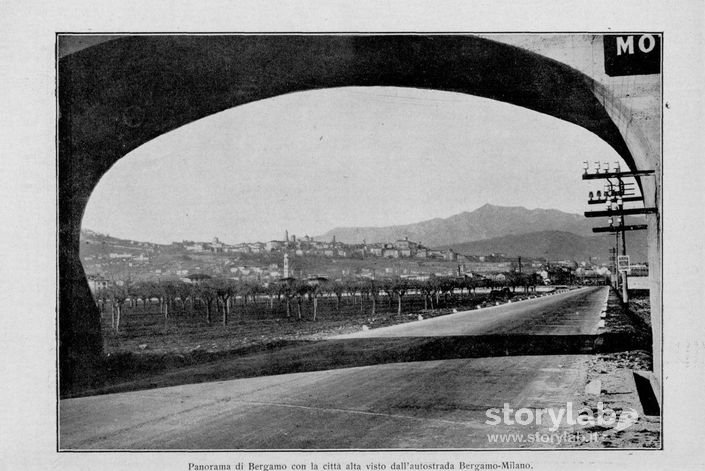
x=118, y=95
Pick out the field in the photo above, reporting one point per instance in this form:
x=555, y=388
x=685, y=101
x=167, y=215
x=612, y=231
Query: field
x=150, y=350
x=144, y=330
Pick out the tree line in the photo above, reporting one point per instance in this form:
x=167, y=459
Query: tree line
x=220, y=298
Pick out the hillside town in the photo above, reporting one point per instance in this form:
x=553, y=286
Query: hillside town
x=108, y=259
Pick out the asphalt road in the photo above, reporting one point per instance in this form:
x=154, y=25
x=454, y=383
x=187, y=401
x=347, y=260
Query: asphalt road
x=425, y=404
x=435, y=404
x=569, y=313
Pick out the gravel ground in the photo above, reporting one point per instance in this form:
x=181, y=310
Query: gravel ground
x=614, y=371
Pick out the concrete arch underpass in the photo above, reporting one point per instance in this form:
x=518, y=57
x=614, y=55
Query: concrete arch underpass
x=119, y=94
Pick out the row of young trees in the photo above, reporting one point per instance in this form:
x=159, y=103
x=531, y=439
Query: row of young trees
x=220, y=297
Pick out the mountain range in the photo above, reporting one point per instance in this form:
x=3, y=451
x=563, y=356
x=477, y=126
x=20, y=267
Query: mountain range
x=512, y=230
x=555, y=245
x=486, y=222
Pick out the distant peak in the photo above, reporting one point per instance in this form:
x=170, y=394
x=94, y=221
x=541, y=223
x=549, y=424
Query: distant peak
x=489, y=206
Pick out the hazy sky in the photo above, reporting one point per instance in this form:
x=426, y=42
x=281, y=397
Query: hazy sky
x=312, y=161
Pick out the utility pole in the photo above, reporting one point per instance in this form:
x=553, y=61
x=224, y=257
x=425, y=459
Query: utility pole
x=614, y=260
x=616, y=193
x=613, y=268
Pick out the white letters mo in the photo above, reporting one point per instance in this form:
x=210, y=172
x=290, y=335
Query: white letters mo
x=645, y=44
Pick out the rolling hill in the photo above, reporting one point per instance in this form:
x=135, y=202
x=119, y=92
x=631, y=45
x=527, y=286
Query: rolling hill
x=554, y=245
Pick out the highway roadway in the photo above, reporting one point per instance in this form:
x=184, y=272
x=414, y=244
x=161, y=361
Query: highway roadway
x=425, y=404
x=567, y=313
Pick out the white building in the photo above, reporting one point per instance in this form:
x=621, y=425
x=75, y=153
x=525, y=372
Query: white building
x=195, y=247
x=120, y=255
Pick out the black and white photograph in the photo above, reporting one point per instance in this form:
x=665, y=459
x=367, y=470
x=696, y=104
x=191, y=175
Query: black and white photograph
x=352, y=236
x=359, y=241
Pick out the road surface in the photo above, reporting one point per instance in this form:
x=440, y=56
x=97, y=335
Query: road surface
x=569, y=313
x=425, y=404
x=434, y=404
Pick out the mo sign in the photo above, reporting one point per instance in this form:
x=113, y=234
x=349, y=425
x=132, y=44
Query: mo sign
x=632, y=54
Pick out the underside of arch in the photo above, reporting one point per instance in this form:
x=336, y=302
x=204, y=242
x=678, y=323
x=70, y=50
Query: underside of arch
x=118, y=95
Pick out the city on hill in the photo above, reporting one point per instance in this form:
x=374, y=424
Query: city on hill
x=535, y=243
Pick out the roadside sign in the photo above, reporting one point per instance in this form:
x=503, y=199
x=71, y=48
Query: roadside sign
x=623, y=263
x=632, y=54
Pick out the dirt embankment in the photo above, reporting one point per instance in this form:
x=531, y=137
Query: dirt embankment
x=614, y=372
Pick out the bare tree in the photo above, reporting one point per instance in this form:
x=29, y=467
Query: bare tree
x=352, y=286
x=118, y=293
x=470, y=284
x=337, y=288
x=400, y=286
x=169, y=291
x=447, y=286
x=315, y=291
x=207, y=294
x=272, y=290
x=224, y=291
x=387, y=286
x=185, y=292
x=286, y=289
x=371, y=289
x=301, y=290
